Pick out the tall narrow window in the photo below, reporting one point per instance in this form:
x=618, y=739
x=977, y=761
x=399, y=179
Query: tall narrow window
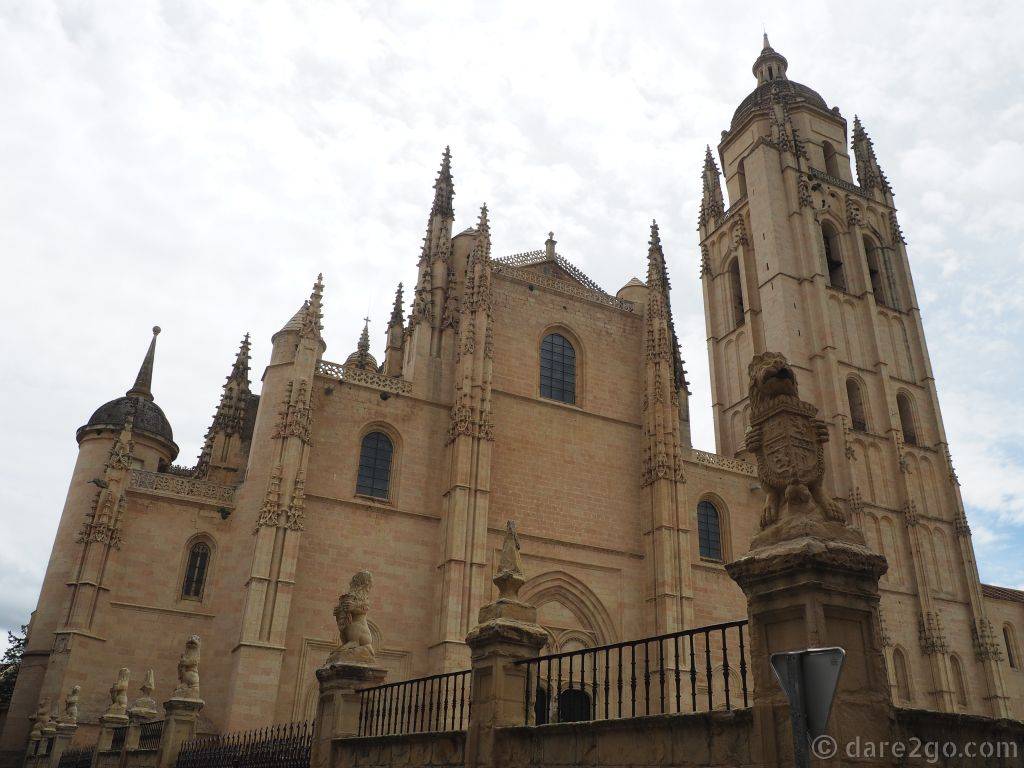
x=375, y=465
x=1010, y=640
x=959, y=683
x=875, y=273
x=906, y=410
x=557, y=368
x=833, y=257
x=853, y=395
x=741, y=177
x=195, y=571
x=709, y=531
x=831, y=166
x=736, y=293
x=899, y=663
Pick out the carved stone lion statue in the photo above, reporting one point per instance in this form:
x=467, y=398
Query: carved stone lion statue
x=188, y=671
x=787, y=439
x=350, y=613
x=71, y=705
x=119, y=695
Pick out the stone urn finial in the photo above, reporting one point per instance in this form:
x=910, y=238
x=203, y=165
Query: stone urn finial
x=510, y=578
x=356, y=642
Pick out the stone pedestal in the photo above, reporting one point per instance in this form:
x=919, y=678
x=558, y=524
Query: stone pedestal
x=180, y=717
x=506, y=633
x=107, y=725
x=63, y=735
x=337, y=709
x=814, y=591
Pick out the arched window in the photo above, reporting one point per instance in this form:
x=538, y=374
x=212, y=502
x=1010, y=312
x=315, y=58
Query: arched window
x=709, y=531
x=875, y=273
x=557, y=368
x=831, y=166
x=195, y=571
x=906, y=410
x=853, y=395
x=541, y=707
x=899, y=663
x=833, y=257
x=573, y=705
x=375, y=465
x=1010, y=640
x=959, y=684
x=741, y=178
x=736, y=293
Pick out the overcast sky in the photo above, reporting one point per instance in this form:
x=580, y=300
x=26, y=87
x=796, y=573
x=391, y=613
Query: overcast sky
x=195, y=165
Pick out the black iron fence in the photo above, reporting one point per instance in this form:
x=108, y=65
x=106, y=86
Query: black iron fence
x=694, y=670
x=278, y=746
x=433, y=703
x=80, y=757
x=117, y=737
x=150, y=734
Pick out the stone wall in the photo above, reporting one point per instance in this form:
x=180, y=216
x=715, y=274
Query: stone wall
x=437, y=750
x=919, y=730
x=704, y=739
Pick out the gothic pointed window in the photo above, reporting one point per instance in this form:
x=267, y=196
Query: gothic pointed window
x=736, y=294
x=899, y=663
x=709, y=531
x=831, y=164
x=1010, y=641
x=959, y=683
x=873, y=254
x=741, y=177
x=195, y=571
x=375, y=456
x=833, y=257
x=557, y=369
x=906, y=411
x=853, y=394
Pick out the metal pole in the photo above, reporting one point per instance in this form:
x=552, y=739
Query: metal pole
x=798, y=713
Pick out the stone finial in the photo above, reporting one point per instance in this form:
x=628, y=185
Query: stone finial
x=41, y=719
x=787, y=440
x=356, y=643
x=549, y=246
x=119, y=695
x=144, y=707
x=188, y=671
x=510, y=578
x=70, y=716
x=143, y=386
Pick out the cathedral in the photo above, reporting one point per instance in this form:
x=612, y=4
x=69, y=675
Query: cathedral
x=516, y=388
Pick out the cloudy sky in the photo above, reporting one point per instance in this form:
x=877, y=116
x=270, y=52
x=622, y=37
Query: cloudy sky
x=194, y=165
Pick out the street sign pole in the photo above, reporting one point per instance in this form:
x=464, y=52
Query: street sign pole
x=797, y=710
x=809, y=679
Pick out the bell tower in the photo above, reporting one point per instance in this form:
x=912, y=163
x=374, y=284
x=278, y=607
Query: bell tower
x=809, y=261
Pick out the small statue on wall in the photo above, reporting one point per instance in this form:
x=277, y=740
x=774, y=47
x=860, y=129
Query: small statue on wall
x=787, y=439
x=188, y=671
x=119, y=695
x=41, y=718
x=356, y=644
x=70, y=716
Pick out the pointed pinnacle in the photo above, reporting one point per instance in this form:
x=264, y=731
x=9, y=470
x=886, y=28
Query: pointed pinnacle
x=364, y=338
x=655, y=241
x=767, y=45
x=144, y=381
x=483, y=224
x=396, y=310
x=240, y=369
x=444, y=187
x=709, y=161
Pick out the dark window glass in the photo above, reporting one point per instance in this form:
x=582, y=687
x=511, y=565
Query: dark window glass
x=853, y=395
x=557, y=368
x=906, y=411
x=195, y=571
x=1011, y=648
x=737, y=293
x=831, y=165
x=709, y=531
x=833, y=258
x=375, y=465
x=541, y=705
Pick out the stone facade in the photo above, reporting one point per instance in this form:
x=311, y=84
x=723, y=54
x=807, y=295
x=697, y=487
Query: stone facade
x=250, y=549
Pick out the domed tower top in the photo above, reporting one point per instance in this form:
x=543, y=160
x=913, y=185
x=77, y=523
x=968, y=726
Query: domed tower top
x=770, y=65
x=147, y=417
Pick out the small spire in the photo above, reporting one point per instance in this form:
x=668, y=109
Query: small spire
x=869, y=172
x=483, y=225
x=709, y=160
x=396, y=310
x=444, y=187
x=655, y=241
x=144, y=381
x=312, y=312
x=770, y=64
x=364, y=338
x=240, y=369
x=767, y=46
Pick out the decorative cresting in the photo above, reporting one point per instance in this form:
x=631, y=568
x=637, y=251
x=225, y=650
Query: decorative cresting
x=164, y=483
x=364, y=378
x=119, y=696
x=188, y=671
x=506, y=266
x=725, y=462
x=356, y=642
x=787, y=440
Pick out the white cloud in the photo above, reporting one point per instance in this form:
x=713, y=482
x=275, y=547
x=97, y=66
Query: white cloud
x=196, y=164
